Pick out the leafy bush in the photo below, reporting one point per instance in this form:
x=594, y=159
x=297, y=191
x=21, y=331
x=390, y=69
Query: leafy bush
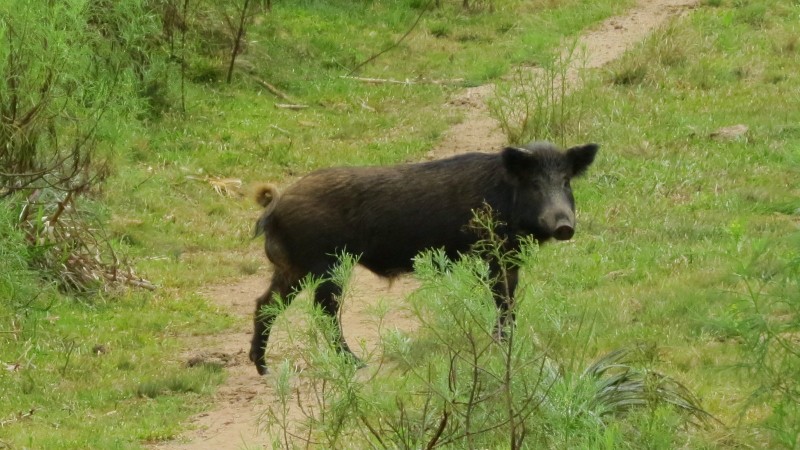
x=73, y=75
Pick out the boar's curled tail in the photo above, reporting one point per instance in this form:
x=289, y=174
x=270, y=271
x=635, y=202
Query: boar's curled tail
x=266, y=195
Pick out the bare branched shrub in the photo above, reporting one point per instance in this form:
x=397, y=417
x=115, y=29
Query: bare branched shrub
x=71, y=75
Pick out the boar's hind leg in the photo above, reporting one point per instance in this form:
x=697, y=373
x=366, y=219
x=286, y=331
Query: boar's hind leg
x=328, y=297
x=282, y=286
x=503, y=289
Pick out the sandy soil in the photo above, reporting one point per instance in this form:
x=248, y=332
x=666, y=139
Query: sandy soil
x=236, y=421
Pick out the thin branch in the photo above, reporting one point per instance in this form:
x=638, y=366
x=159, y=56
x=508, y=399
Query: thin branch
x=372, y=430
x=238, y=42
x=397, y=43
x=439, y=431
x=183, y=57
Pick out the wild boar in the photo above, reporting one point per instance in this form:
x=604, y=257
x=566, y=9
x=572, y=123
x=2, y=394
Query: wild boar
x=387, y=215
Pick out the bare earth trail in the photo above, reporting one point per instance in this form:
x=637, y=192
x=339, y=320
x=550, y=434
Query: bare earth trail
x=233, y=422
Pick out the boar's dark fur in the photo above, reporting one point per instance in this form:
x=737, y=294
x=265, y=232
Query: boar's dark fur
x=387, y=215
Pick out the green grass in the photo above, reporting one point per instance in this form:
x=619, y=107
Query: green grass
x=72, y=366
x=670, y=215
x=674, y=225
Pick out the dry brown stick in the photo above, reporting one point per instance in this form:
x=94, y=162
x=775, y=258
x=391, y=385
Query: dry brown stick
x=62, y=205
x=238, y=42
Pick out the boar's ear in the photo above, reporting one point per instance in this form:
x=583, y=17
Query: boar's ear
x=581, y=157
x=517, y=161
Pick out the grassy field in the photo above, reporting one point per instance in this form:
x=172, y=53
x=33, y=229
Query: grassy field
x=687, y=256
x=691, y=240
x=687, y=243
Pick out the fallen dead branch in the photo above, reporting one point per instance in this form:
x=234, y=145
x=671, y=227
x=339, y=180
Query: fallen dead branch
x=279, y=129
x=293, y=104
x=275, y=91
x=290, y=106
x=17, y=417
x=73, y=248
x=407, y=81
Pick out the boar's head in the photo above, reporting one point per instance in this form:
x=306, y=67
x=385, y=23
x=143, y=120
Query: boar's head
x=543, y=205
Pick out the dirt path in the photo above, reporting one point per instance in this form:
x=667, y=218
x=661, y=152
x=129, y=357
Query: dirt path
x=234, y=421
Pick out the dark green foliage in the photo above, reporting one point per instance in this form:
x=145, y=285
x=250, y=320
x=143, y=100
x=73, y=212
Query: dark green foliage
x=621, y=386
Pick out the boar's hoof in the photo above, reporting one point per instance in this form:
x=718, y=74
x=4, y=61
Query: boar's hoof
x=258, y=359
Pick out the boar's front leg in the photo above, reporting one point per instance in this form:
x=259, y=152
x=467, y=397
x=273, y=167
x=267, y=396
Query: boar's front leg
x=505, y=278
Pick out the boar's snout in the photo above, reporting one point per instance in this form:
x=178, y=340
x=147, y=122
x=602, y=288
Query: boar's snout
x=564, y=230
x=560, y=226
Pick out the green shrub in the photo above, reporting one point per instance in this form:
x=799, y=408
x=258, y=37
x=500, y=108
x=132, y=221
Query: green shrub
x=454, y=384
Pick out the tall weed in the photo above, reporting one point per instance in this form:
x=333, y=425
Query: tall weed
x=767, y=321
x=539, y=103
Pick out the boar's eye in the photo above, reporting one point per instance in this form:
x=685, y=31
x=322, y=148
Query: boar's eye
x=566, y=184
